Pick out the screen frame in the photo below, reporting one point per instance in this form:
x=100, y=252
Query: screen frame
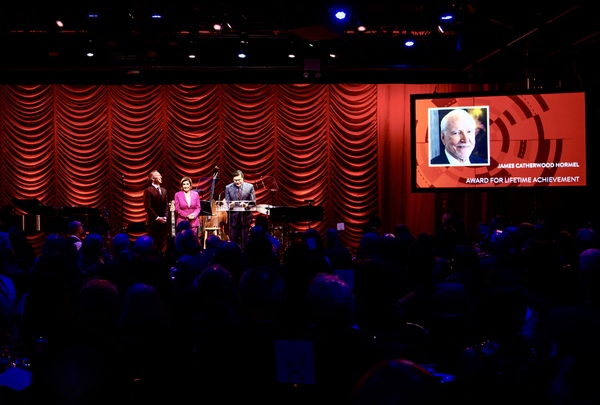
x=445, y=101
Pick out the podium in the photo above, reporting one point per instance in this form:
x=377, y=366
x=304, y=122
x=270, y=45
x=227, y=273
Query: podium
x=237, y=205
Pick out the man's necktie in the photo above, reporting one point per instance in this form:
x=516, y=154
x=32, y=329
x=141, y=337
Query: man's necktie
x=240, y=193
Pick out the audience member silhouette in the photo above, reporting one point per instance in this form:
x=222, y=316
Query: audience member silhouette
x=152, y=268
x=505, y=362
x=262, y=221
x=87, y=367
x=260, y=296
x=153, y=357
x=259, y=248
x=92, y=257
x=210, y=331
x=210, y=249
x=298, y=271
x=230, y=255
x=190, y=262
x=398, y=381
x=339, y=255
x=119, y=268
x=569, y=336
x=342, y=351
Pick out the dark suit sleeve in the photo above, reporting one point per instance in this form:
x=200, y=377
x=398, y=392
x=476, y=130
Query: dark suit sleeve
x=440, y=160
x=149, y=205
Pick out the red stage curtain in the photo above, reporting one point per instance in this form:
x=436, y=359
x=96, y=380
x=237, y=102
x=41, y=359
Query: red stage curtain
x=344, y=146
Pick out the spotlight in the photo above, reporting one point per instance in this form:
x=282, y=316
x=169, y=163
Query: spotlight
x=340, y=15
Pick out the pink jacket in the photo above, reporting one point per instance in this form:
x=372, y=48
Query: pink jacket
x=182, y=209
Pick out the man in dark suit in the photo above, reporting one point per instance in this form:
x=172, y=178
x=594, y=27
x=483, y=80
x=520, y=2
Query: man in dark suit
x=76, y=233
x=239, y=197
x=457, y=132
x=155, y=203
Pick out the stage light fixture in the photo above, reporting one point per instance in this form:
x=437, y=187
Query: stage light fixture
x=340, y=15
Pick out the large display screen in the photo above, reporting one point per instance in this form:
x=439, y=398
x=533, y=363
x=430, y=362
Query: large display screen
x=490, y=140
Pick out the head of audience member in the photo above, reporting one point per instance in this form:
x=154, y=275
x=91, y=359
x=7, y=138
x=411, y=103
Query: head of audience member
x=465, y=259
x=370, y=246
x=143, y=307
x=120, y=243
x=374, y=224
x=501, y=244
x=397, y=381
x=525, y=233
x=58, y=254
x=586, y=238
x=212, y=241
x=213, y=285
x=187, y=243
x=75, y=228
x=92, y=246
x=23, y=251
x=97, y=303
x=144, y=245
x=259, y=249
x=331, y=302
x=405, y=240
x=260, y=293
x=6, y=251
x=183, y=225
x=332, y=238
x=263, y=221
x=229, y=255
x=589, y=268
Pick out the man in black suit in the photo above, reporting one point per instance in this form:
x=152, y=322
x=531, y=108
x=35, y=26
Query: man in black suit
x=76, y=233
x=155, y=203
x=240, y=216
x=457, y=132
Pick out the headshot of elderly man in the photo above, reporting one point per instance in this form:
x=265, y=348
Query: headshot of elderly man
x=457, y=133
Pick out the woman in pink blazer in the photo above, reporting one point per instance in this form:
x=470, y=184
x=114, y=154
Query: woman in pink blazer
x=187, y=204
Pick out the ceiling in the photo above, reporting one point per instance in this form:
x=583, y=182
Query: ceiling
x=532, y=42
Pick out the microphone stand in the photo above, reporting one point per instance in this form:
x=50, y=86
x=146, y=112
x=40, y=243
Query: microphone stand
x=122, y=202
